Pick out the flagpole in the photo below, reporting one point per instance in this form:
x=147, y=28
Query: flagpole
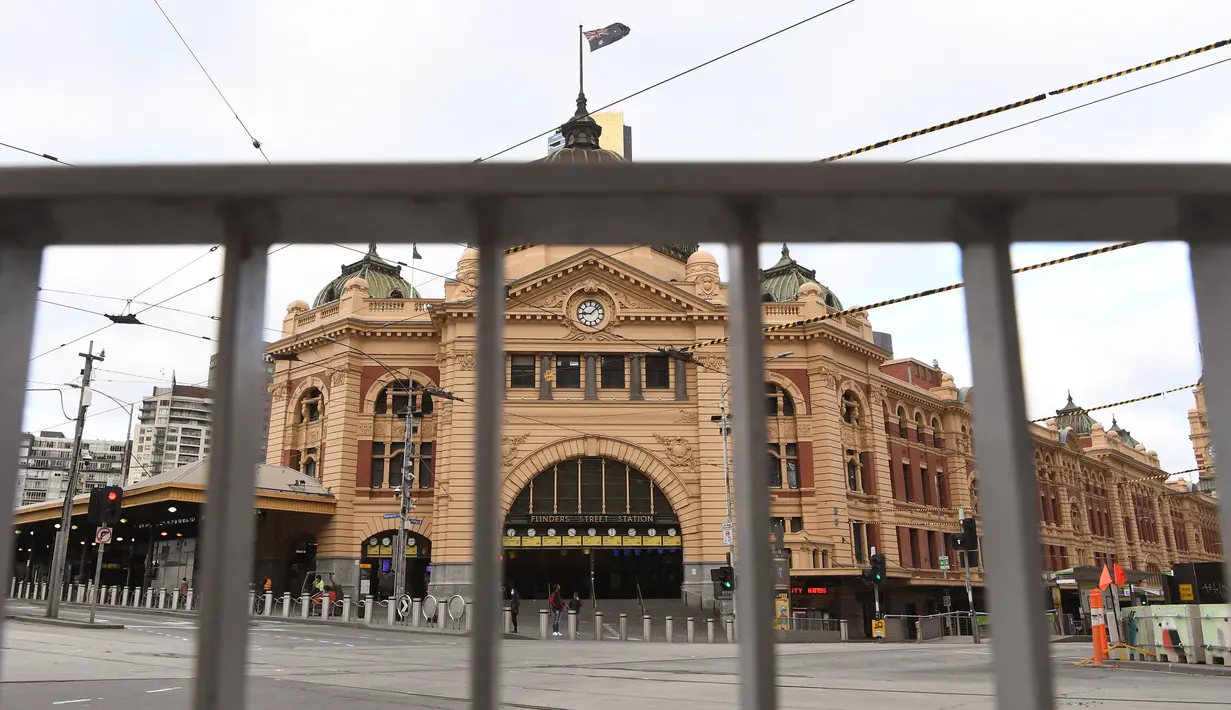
x=581, y=59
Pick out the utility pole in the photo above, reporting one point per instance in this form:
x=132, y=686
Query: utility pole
x=970, y=595
x=405, y=504
x=729, y=525
x=60, y=553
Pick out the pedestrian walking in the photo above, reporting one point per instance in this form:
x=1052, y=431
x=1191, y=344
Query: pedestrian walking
x=574, y=604
x=557, y=607
x=514, y=606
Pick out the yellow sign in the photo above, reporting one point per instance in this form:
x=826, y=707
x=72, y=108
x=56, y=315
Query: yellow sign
x=512, y=541
x=652, y=540
x=671, y=541
x=592, y=541
x=532, y=542
x=1186, y=592
x=878, y=628
x=551, y=541
x=631, y=541
x=365, y=565
x=572, y=541
x=611, y=541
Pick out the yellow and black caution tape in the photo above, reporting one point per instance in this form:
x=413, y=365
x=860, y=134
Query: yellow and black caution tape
x=1156, y=62
x=519, y=247
x=937, y=127
x=1117, y=404
x=911, y=297
x=1023, y=102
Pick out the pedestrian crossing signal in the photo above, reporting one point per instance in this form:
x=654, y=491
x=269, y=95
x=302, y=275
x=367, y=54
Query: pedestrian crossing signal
x=878, y=567
x=724, y=581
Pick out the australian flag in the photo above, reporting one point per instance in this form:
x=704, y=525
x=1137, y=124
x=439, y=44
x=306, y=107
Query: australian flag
x=611, y=33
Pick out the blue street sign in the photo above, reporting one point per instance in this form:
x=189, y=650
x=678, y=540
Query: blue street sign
x=392, y=516
x=415, y=521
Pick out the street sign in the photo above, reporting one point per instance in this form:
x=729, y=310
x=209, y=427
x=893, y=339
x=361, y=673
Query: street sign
x=392, y=516
x=944, y=562
x=414, y=521
x=404, y=606
x=948, y=601
x=102, y=536
x=726, y=536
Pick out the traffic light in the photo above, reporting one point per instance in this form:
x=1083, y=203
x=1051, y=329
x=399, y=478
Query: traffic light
x=112, y=501
x=968, y=538
x=724, y=581
x=878, y=567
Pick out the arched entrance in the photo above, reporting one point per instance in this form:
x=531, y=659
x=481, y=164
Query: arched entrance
x=595, y=526
x=376, y=564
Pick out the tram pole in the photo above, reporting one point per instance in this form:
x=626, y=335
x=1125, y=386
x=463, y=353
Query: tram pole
x=405, y=505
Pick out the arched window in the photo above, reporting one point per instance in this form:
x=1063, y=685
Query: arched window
x=852, y=471
x=783, y=464
x=310, y=406
x=396, y=398
x=331, y=295
x=591, y=486
x=309, y=464
x=919, y=427
x=395, y=293
x=778, y=401
x=938, y=437
x=850, y=408
x=902, y=422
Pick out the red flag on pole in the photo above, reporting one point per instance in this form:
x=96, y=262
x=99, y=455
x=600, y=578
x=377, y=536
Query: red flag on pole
x=1104, y=581
x=1121, y=578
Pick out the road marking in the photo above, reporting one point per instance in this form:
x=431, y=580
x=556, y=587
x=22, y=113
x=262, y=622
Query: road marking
x=68, y=702
x=163, y=690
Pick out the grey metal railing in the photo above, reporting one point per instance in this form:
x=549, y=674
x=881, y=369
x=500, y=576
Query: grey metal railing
x=982, y=207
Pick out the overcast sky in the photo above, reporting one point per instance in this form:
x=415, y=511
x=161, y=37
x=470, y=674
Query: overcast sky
x=395, y=81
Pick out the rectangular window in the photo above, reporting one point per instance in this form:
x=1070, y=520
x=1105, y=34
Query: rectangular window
x=568, y=371
x=906, y=482
x=425, y=464
x=657, y=372
x=792, y=465
x=568, y=494
x=775, y=467
x=927, y=484
x=612, y=372
x=521, y=372
x=859, y=543
x=797, y=524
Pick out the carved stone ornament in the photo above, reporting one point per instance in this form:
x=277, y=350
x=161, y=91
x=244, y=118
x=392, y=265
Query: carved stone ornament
x=365, y=428
x=338, y=379
x=427, y=430
x=444, y=413
x=576, y=333
x=465, y=359
x=707, y=286
x=713, y=363
x=876, y=395
x=687, y=416
x=850, y=439
x=508, y=448
x=827, y=379
x=277, y=391
x=804, y=428
x=629, y=301
x=678, y=451
x=555, y=299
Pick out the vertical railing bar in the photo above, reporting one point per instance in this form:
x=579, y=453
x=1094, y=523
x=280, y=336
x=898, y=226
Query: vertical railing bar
x=754, y=597
x=489, y=409
x=1210, y=264
x=1010, y=548
x=19, y=273
x=229, y=527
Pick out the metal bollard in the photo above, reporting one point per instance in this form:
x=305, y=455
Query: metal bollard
x=305, y=606
x=124, y=597
x=369, y=610
x=149, y=598
x=598, y=626
x=709, y=630
x=81, y=593
x=13, y=587
x=688, y=630
x=845, y=631
x=572, y=625
x=416, y=612
x=162, y=598
x=175, y=599
x=136, y=597
x=623, y=627
x=269, y=603
x=469, y=617
x=508, y=620
x=21, y=591
x=730, y=629
x=542, y=623
x=392, y=611
x=188, y=601
x=286, y=605
x=345, y=607
x=645, y=627
x=670, y=630
x=251, y=602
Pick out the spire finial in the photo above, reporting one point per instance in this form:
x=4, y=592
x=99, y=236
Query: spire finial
x=786, y=253
x=372, y=248
x=1071, y=398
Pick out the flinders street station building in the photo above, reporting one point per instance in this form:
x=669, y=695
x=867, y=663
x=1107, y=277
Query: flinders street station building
x=614, y=484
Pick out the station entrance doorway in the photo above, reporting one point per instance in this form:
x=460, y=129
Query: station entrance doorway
x=597, y=527
x=376, y=565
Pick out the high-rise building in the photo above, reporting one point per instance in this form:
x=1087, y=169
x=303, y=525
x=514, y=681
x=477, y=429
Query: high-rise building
x=174, y=429
x=615, y=136
x=266, y=398
x=44, y=461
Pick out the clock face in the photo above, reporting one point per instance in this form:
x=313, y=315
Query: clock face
x=590, y=313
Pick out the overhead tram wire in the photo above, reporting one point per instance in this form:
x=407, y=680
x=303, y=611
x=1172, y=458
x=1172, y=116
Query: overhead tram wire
x=45, y=156
x=255, y=143
x=1068, y=110
x=910, y=297
x=1134, y=400
x=1035, y=99
x=673, y=77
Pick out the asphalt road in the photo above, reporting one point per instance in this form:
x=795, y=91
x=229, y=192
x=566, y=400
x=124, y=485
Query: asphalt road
x=295, y=666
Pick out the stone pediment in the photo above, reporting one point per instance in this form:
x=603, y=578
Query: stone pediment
x=623, y=289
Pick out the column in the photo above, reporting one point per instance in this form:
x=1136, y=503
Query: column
x=681, y=380
x=634, y=377
x=591, y=376
x=544, y=383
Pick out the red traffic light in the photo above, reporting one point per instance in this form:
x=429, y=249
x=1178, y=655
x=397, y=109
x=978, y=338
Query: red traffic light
x=111, y=495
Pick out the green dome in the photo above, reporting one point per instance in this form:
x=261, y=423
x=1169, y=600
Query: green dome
x=781, y=282
x=384, y=280
x=1074, y=416
x=1125, y=437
